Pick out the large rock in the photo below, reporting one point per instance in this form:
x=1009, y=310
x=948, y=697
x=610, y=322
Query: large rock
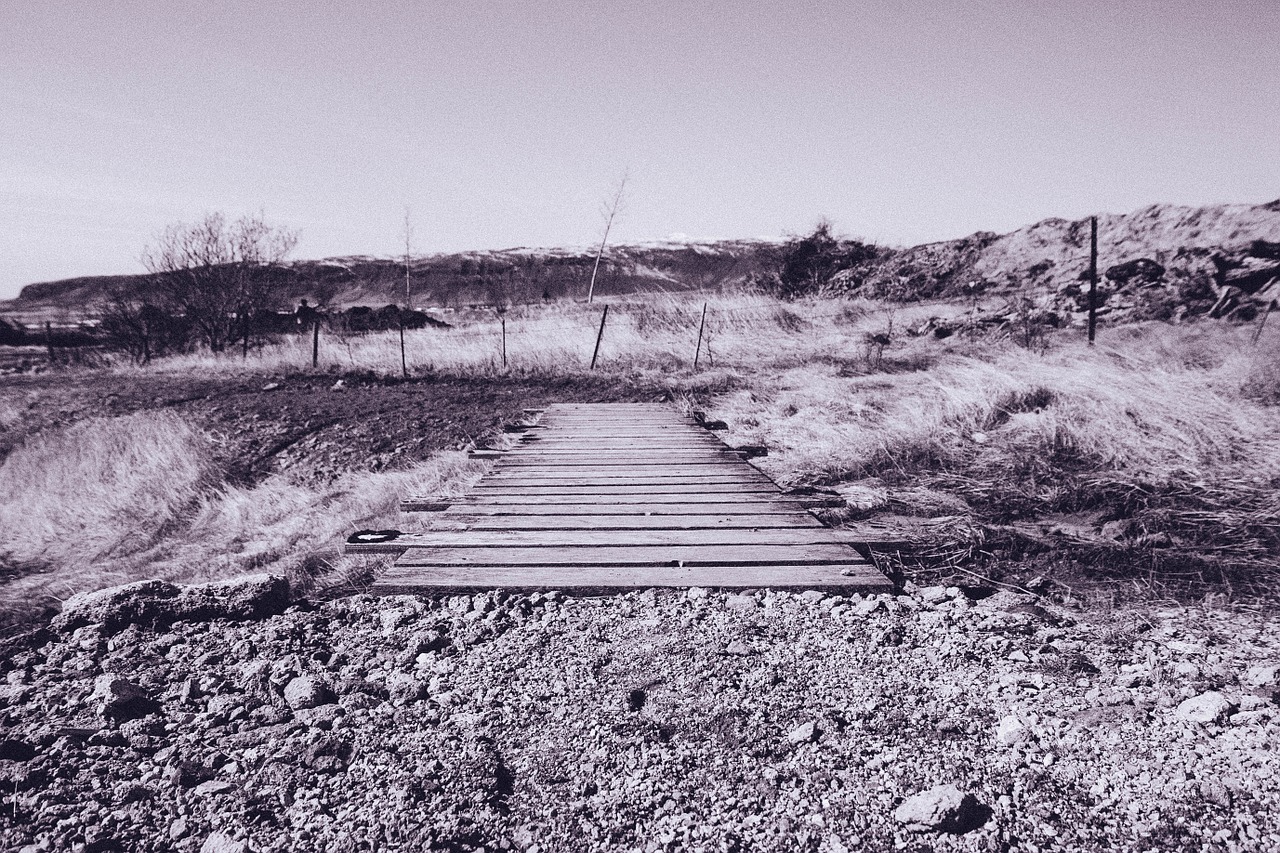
x=1251, y=274
x=1138, y=271
x=219, y=842
x=246, y=598
x=1011, y=729
x=1209, y=707
x=121, y=699
x=307, y=691
x=803, y=733
x=405, y=689
x=944, y=808
x=156, y=603
x=1262, y=675
x=117, y=607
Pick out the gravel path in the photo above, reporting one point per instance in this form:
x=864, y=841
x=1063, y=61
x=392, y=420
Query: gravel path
x=653, y=721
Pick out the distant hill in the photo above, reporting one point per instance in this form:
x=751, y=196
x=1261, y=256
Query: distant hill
x=453, y=280
x=1160, y=262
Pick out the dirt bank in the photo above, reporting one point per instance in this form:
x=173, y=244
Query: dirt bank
x=318, y=426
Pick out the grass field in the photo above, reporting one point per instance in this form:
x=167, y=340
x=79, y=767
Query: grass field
x=1157, y=450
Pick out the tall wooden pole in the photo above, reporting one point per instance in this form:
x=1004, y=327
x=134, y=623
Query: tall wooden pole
x=599, y=337
x=404, y=364
x=315, y=343
x=504, y=342
x=1093, y=278
x=702, y=325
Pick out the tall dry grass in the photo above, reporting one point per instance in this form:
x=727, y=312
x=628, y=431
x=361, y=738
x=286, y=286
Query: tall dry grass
x=102, y=488
x=657, y=333
x=1174, y=425
x=1116, y=408
x=114, y=500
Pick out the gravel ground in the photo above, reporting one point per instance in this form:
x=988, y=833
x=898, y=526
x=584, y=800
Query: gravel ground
x=227, y=718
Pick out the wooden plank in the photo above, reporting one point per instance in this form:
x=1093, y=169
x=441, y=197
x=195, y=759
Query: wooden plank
x=617, y=460
x=619, y=496
x=593, y=536
x=605, y=472
x=847, y=578
x=622, y=443
x=755, y=500
x=628, y=555
x=624, y=522
x=615, y=423
x=732, y=478
x=723, y=488
x=582, y=506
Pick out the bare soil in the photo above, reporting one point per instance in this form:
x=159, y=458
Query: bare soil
x=317, y=425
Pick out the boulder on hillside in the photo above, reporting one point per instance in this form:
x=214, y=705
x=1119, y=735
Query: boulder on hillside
x=155, y=603
x=1251, y=274
x=1265, y=249
x=1136, y=271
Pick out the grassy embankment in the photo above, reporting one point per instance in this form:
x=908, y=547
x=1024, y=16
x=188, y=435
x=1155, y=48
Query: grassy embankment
x=1156, y=454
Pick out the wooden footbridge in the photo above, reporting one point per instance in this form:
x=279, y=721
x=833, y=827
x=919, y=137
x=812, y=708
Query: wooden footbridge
x=622, y=496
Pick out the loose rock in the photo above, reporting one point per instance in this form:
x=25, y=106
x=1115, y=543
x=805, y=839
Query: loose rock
x=1209, y=707
x=944, y=808
x=307, y=691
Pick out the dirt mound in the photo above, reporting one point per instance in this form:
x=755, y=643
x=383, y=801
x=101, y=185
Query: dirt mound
x=1160, y=262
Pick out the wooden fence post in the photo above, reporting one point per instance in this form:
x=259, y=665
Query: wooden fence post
x=599, y=337
x=697, y=352
x=1257, y=333
x=48, y=339
x=404, y=363
x=1093, y=278
x=504, y=342
x=315, y=343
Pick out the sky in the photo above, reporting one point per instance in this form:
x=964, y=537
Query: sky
x=501, y=124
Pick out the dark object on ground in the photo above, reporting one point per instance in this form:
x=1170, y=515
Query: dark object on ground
x=365, y=537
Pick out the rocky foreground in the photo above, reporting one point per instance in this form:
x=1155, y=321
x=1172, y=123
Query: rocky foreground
x=226, y=718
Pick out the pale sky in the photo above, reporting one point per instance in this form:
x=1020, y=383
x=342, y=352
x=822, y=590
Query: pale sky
x=506, y=124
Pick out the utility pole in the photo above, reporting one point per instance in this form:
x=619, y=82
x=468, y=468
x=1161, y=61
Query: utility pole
x=1093, y=278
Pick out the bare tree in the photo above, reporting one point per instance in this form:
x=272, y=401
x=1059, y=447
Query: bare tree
x=408, y=237
x=609, y=211
x=219, y=273
x=139, y=327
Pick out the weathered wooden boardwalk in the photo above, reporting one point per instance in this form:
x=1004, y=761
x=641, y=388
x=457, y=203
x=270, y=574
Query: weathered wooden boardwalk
x=618, y=496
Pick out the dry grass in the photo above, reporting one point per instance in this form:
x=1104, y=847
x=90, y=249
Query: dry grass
x=657, y=333
x=1173, y=427
x=114, y=500
x=1162, y=429
x=100, y=489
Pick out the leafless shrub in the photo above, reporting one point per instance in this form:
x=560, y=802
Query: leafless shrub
x=218, y=273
